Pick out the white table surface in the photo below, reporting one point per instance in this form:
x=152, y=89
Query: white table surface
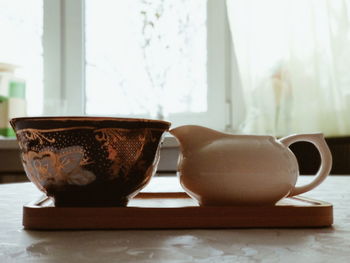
x=229, y=245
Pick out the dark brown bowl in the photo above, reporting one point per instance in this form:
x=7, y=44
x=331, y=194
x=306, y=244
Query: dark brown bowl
x=89, y=161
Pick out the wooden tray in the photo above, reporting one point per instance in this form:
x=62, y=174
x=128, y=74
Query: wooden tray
x=176, y=210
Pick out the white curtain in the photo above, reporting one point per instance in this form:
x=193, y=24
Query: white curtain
x=294, y=65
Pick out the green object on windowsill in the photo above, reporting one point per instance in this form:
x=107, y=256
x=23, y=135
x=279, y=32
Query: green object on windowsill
x=5, y=129
x=7, y=132
x=3, y=115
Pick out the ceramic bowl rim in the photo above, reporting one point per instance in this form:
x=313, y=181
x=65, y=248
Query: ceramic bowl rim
x=89, y=118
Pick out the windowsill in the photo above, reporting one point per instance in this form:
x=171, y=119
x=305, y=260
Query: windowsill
x=8, y=143
x=170, y=142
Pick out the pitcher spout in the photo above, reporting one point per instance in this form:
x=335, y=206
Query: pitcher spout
x=193, y=137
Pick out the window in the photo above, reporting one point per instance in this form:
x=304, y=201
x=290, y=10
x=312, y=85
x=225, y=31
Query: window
x=21, y=45
x=149, y=59
x=293, y=59
x=71, y=70
x=173, y=60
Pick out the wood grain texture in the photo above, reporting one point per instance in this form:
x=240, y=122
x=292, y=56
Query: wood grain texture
x=176, y=210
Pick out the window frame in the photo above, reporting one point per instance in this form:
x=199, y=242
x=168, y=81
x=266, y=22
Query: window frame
x=64, y=62
x=64, y=55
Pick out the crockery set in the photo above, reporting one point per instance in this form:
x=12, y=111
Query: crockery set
x=103, y=161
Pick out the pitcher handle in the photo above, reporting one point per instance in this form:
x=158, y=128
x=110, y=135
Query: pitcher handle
x=318, y=140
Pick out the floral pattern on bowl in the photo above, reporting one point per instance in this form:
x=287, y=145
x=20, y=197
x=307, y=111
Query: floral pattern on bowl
x=51, y=166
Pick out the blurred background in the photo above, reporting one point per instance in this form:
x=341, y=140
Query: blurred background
x=254, y=67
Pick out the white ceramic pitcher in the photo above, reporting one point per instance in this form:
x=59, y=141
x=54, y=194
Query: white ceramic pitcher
x=224, y=169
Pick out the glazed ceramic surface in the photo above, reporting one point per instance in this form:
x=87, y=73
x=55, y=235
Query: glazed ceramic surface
x=223, y=169
x=89, y=161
